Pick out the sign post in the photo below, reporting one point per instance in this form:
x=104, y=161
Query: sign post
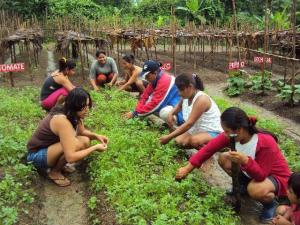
x=10, y=68
x=236, y=65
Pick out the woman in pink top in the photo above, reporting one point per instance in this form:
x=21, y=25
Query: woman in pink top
x=258, y=154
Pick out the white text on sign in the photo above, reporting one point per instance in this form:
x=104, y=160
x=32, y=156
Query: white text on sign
x=236, y=65
x=14, y=67
x=261, y=59
x=166, y=66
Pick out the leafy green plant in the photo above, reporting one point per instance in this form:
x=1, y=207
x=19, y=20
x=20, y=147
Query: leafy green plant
x=235, y=84
x=258, y=85
x=286, y=93
x=19, y=114
x=195, y=10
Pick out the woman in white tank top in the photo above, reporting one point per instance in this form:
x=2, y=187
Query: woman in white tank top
x=200, y=113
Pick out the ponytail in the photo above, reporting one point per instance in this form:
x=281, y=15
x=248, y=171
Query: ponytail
x=235, y=118
x=184, y=80
x=64, y=63
x=198, y=82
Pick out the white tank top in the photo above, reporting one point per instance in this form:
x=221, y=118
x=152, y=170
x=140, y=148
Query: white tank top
x=208, y=121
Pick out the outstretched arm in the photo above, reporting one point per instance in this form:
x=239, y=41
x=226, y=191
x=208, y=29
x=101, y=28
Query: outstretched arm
x=93, y=136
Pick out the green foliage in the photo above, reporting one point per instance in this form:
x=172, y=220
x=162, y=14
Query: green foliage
x=235, y=84
x=79, y=9
x=152, y=9
x=286, y=92
x=26, y=8
x=19, y=114
x=202, y=12
x=258, y=85
x=162, y=21
x=138, y=173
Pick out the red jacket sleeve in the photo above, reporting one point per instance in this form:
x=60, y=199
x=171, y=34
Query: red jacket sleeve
x=147, y=92
x=158, y=94
x=266, y=153
x=216, y=144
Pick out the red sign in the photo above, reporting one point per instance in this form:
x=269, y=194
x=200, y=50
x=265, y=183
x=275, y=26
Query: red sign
x=261, y=60
x=4, y=68
x=236, y=65
x=166, y=66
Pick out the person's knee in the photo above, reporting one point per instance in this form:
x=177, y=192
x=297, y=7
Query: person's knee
x=110, y=76
x=222, y=160
x=256, y=191
x=83, y=142
x=178, y=141
x=101, y=79
x=182, y=141
x=281, y=210
x=195, y=142
x=164, y=112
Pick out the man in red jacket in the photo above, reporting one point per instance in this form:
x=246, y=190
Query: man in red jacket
x=160, y=96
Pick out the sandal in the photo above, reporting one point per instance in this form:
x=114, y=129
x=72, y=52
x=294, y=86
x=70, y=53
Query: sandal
x=61, y=182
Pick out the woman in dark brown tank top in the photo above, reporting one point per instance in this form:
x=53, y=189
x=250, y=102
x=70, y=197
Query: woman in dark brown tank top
x=62, y=138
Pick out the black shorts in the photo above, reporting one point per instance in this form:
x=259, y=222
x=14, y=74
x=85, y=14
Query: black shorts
x=246, y=180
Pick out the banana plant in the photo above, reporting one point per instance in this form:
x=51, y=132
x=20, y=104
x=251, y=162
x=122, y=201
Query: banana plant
x=195, y=10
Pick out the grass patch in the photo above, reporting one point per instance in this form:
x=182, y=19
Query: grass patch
x=19, y=115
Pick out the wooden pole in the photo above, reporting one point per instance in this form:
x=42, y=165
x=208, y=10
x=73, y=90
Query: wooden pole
x=294, y=51
x=174, y=39
x=266, y=37
x=12, y=61
x=236, y=32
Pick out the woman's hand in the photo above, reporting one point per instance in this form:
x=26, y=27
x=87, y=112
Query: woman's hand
x=110, y=84
x=184, y=171
x=119, y=83
x=238, y=157
x=164, y=139
x=128, y=115
x=103, y=139
x=100, y=147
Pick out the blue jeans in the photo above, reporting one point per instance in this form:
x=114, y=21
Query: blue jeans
x=38, y=158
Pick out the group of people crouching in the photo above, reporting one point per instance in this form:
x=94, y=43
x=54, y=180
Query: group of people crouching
x=194, y=120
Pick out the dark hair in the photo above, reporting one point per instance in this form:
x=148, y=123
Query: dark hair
x=98, y=52
x=294, y=183
x=64, y=63
x=128, y=58
x=74, y=102
x=235, y=118
x=184, y=80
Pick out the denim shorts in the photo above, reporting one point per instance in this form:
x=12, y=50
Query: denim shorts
x=213, y=134
x=38, y=158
